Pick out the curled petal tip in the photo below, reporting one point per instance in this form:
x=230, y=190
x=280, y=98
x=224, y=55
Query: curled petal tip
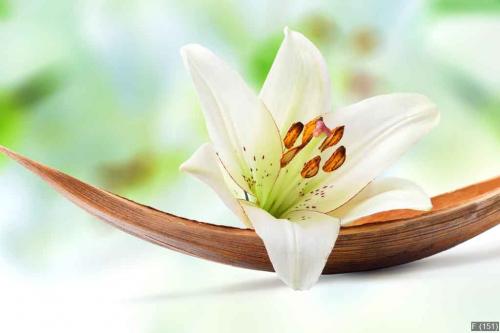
x=191, y=50
x=184, y=49
x=182, y=167
x=424, y=101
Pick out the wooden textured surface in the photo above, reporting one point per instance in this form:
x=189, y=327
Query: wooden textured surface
x=377, y=241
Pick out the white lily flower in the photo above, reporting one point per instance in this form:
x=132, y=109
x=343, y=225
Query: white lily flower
x=292, y=170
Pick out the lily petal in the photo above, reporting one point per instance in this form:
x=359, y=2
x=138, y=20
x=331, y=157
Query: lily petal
x=205, y=166
x=377, y=132
x=297, y=244
x=240, y=127
x=298, y=86
x=381, y=195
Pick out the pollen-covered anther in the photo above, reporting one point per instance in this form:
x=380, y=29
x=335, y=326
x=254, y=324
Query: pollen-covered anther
x=289, y=155
x=334, y=138
x=309, y=129
x=336, y=160
x=311, y=167
x=292, y=134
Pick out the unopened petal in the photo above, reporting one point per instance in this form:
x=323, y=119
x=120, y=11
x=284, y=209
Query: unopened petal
x=382, y=195
x=297, y=244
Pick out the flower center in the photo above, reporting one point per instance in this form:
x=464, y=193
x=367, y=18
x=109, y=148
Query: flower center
x=316, y=128
x=307, y=146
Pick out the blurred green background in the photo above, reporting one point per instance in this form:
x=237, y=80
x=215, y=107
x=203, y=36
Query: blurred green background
x=97, y=89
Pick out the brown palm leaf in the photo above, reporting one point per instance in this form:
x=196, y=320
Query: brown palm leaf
x=381, y=240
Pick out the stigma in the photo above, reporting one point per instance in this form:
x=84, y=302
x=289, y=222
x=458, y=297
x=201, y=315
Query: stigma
x=321, y=128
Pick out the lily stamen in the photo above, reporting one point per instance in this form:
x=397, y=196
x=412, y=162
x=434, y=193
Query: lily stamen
x=292, y=134
x=309, y=129
x=312, y=129
x=288, y=156
x=336, y=160
x=311, y=167
x=334, y=138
